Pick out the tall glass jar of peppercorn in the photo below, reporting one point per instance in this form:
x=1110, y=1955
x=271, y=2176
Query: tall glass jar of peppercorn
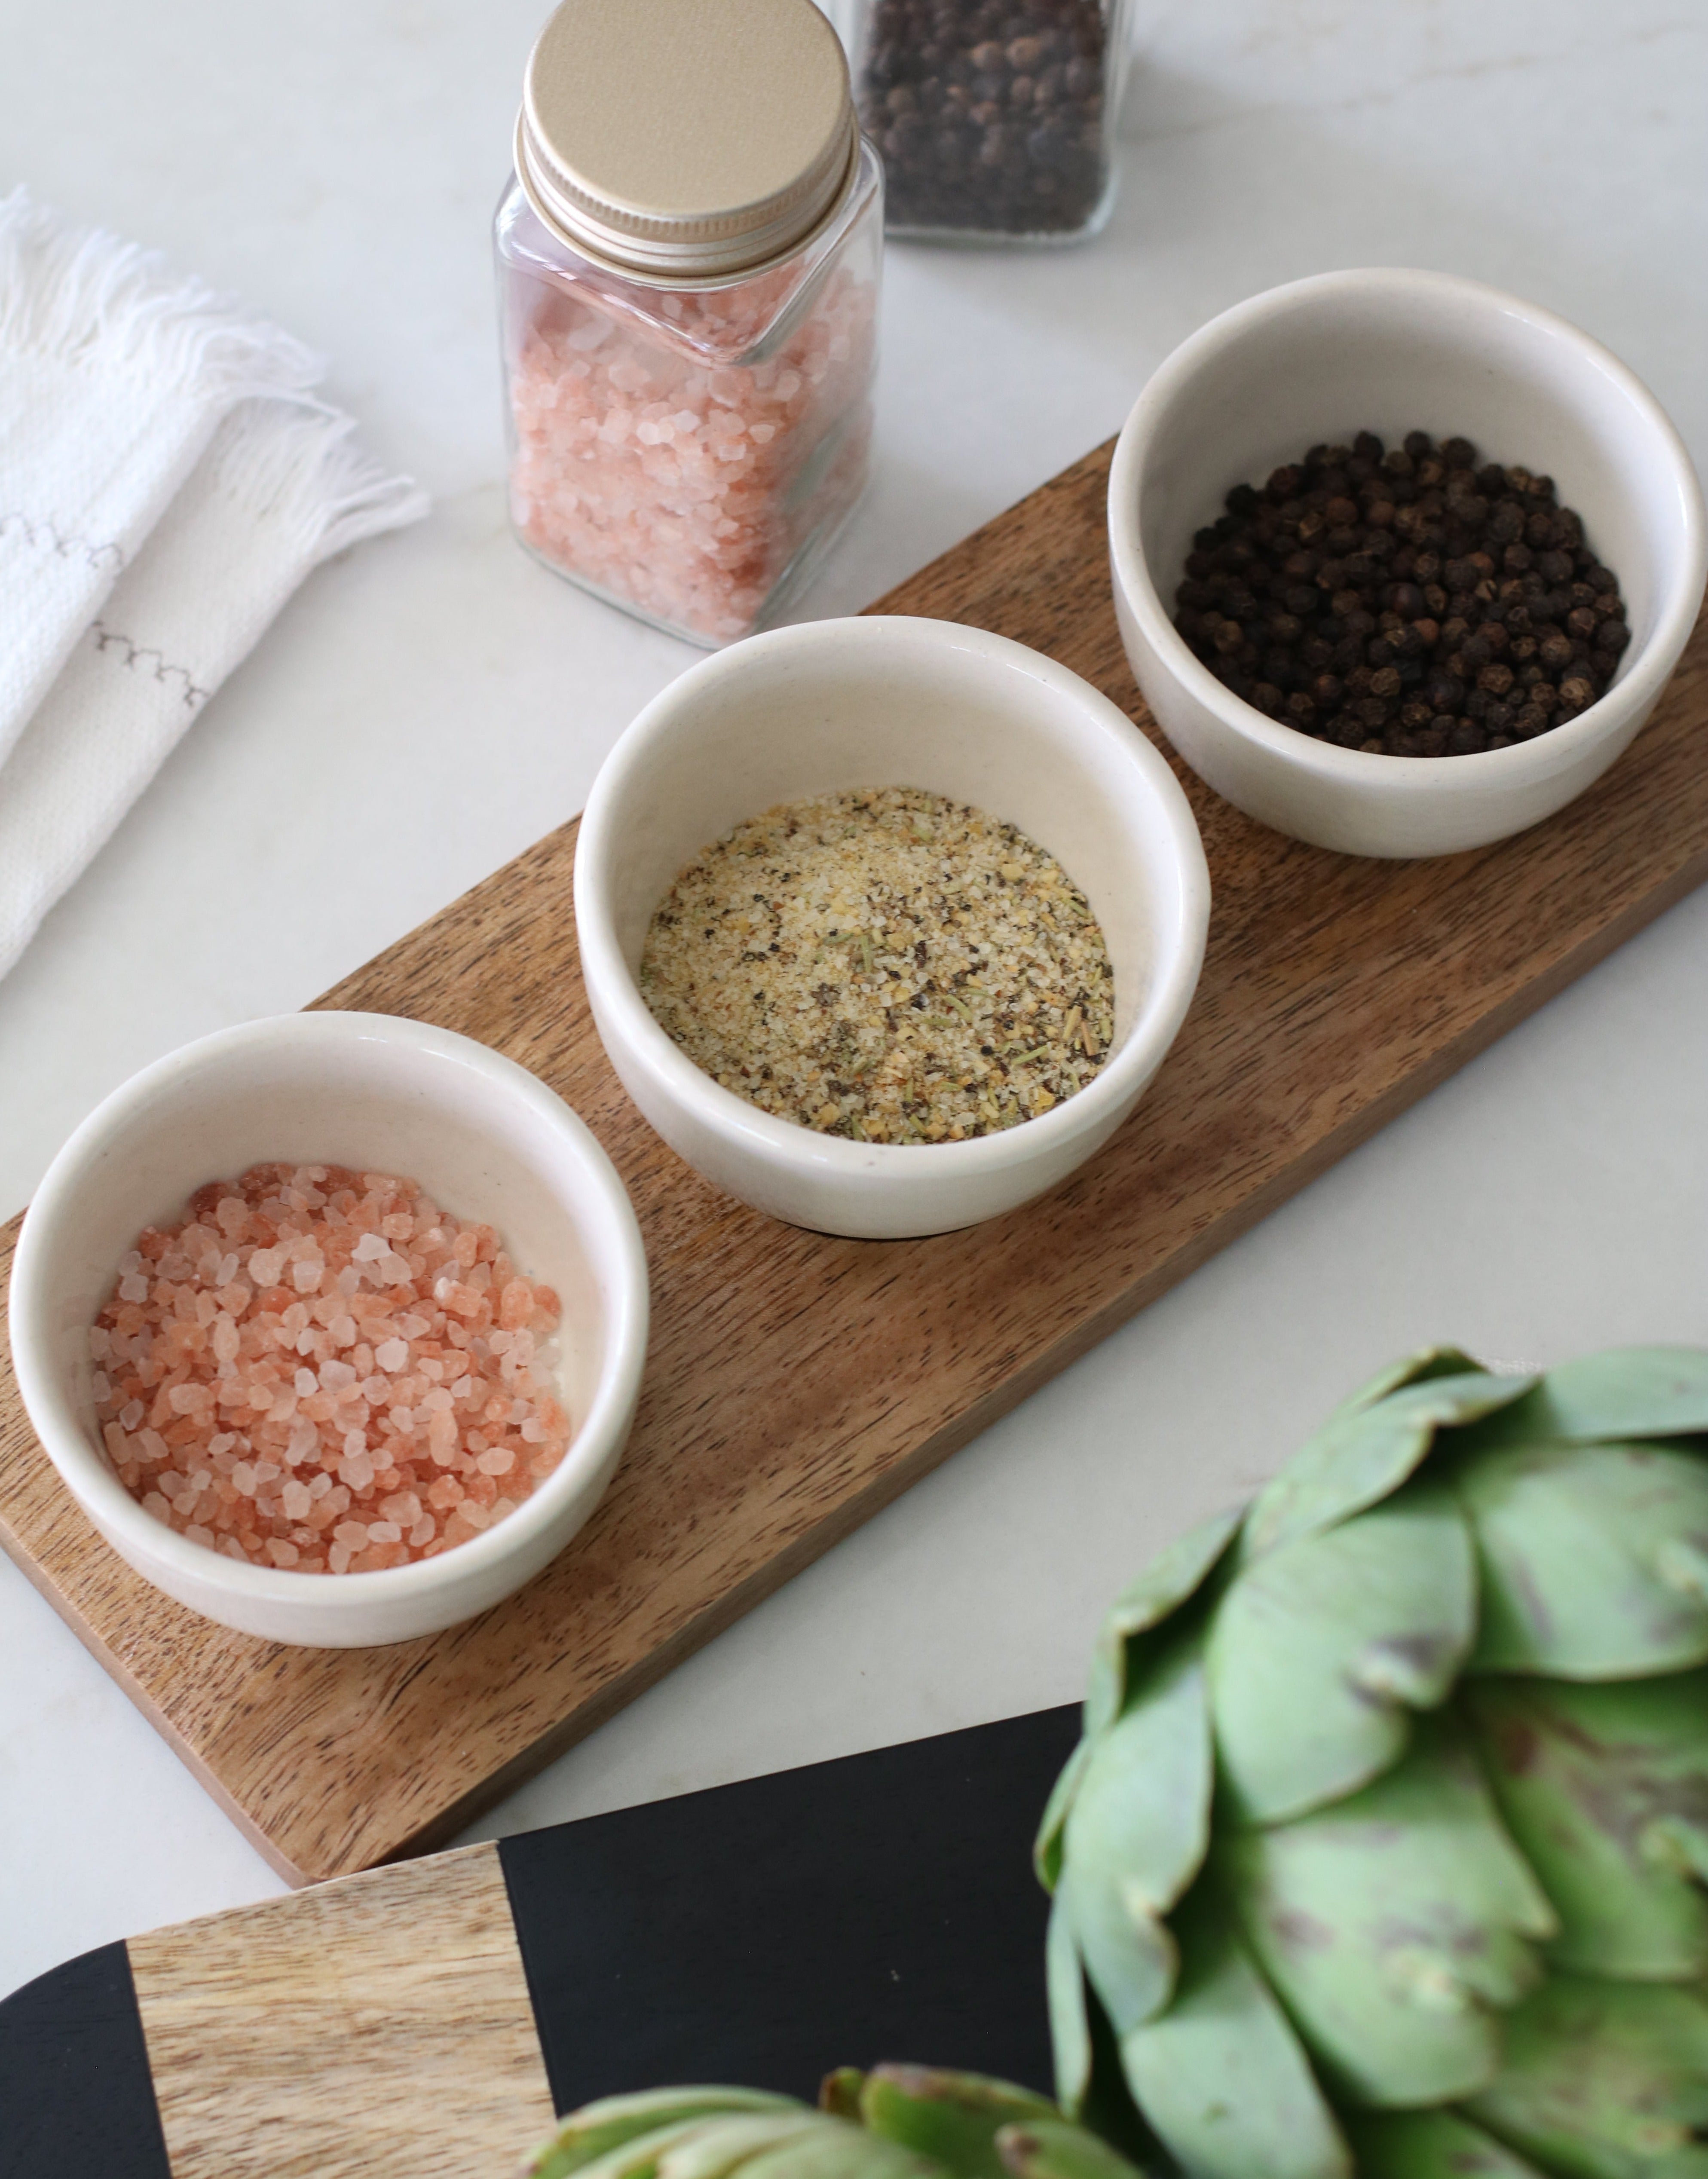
x=688, y=258
x=996, y=119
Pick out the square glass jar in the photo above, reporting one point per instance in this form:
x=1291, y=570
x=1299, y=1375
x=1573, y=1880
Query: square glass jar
x=689, y=450
x=995, y=119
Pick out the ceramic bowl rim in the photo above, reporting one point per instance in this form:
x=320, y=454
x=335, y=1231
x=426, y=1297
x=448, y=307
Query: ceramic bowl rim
x=1643, y=673
x=1185, y=879
x=85, y=1472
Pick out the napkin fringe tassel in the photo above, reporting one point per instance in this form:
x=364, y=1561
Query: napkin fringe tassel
x=80, y=295
x=302, y=476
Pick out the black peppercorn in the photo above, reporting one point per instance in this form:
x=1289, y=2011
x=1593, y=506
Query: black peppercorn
x=1402, y=601
x=1577, y=692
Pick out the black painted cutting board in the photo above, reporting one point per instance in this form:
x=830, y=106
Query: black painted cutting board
x=422, y=2021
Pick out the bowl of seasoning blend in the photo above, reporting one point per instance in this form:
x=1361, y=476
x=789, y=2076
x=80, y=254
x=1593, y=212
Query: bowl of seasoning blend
x=332, y=1324
x=1401, y=563
x=688, y=255
x=887, y=923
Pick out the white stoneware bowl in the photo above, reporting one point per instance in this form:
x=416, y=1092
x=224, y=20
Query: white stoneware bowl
x=1393, y=352
x=887, y=701
x=485, y=1139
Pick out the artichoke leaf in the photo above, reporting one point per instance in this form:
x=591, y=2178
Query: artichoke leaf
x=597, y=2128
x=638, y=2158
x=1317, y=1649
x=1221, y=2077
x=1395, y=1924
x=1605, y=1787
x=1070, y=2024
x=1174, y=1576
x=632, y=2153
x=839, y=2091
x=1129, y=1958
x=1136, y=1834
x=831, y=2148
x=1047, y=2149
x=1605, y=2080
x=952, y=2118
x=1629, y=1392
x=1593, y=1559
x=713, y=2147
x=1362, y=1456
x=648, y=2155
x=1431, y=2145
x=1416, y=1369
x=1046, y=1849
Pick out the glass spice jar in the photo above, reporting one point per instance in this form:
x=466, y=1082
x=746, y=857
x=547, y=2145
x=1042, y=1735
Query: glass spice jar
x=689, y=256
x=996, y=119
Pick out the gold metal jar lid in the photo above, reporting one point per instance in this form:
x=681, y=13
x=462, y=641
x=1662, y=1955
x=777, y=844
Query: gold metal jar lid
x=686, y=138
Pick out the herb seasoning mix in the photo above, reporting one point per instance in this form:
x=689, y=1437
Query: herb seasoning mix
x=883, y=964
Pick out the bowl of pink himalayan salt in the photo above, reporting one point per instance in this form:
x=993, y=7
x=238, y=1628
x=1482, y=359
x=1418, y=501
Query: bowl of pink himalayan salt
x=333, y=1326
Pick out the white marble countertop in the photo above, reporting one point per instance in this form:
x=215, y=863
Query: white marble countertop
x=336, y=161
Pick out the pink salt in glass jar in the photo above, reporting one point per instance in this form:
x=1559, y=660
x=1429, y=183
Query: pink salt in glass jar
x=688, y=258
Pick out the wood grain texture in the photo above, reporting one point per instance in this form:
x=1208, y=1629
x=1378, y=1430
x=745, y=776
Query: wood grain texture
x=322, y=2038
x=796, y=1382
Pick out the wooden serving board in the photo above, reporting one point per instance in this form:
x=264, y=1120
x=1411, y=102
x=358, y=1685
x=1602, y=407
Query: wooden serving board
x=424, y=2022
x=797, y=1383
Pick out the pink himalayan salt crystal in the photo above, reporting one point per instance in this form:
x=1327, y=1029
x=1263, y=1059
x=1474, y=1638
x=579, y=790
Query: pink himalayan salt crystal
x=346, y=1423
x=670, y=480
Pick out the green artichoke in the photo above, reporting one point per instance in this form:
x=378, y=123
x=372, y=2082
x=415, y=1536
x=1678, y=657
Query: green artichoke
x=1384, y=1847
x=894, y=2122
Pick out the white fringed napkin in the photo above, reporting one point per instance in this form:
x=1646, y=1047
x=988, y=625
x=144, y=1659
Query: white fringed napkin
x=165, y=482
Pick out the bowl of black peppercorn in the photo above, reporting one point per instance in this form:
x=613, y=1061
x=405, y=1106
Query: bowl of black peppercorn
x=1402, y=563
